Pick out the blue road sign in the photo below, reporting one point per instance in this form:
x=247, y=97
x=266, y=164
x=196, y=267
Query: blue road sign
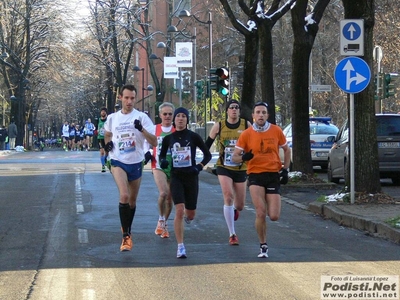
x=351, y=31
x=352, y=75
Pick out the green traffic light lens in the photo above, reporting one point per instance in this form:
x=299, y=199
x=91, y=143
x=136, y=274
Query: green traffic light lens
x=224, y=91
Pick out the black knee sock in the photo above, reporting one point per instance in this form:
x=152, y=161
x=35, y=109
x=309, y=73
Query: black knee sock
x=133, y=210
x=125, y=217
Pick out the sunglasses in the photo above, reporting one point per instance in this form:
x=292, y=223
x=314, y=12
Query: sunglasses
x=167, y=114
x=234, y=107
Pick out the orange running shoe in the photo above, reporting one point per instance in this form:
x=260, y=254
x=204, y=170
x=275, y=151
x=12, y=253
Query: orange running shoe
x=126, y=244
x=160, y=227
x=233, y=240
x=165, y=233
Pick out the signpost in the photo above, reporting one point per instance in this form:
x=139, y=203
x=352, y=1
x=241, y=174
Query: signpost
x=352, y=75
x=352, y=37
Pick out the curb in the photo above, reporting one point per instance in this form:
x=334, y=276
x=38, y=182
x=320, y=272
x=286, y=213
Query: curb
x=380, y=229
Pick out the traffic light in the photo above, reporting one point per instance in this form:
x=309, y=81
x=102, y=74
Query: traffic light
x=389, y=87
x=223, y=81
x=213, y=79
x=199, y=89
x=378, y=90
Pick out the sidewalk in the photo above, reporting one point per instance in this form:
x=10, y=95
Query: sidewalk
x=369, y=218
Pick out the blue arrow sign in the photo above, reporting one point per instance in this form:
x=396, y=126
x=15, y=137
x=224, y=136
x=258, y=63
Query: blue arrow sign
x=352, y=75
x=351, y=31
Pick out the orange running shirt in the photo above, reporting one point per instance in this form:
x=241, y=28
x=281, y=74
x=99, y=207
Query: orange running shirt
x=265, y=146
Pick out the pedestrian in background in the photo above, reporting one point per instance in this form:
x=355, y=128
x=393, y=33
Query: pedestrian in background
x=89, y=131
x=71, y=137
x=3, y=137
x=78, y=137
x=232, y=176
x=12, y=134
x=100, y=137
x=184, y=173
x=124, y=136
x=259, y=146
x=65, y=135
x=162, y=176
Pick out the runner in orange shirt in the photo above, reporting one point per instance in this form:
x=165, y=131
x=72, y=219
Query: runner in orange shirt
x=258, y=146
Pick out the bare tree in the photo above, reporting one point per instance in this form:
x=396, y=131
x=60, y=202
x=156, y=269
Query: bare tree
x=366, y=174
x=305, y=28
x=258, y=39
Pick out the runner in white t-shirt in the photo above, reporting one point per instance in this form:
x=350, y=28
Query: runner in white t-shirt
x=65, y=135
x=125, y=133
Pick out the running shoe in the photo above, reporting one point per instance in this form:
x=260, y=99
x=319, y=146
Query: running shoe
x=126, y=244
x=103, y=168
x=236, y=214
x=187, y=221
x=263, y=251
x=233, y=240
x=160, y=227
x=181, y=253
x=165, y=233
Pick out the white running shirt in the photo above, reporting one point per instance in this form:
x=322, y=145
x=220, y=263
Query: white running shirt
x=128, y=141
x=65, y=131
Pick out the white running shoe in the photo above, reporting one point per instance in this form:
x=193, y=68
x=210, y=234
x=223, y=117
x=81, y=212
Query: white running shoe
x=181, y=253
x=263, y=251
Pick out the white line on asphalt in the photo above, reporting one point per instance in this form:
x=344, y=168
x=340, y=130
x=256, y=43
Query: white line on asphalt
x=78, y=195
x=83, y=236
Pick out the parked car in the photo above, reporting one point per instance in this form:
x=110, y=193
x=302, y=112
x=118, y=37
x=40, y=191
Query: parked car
x=388, y=139
x=322, y=135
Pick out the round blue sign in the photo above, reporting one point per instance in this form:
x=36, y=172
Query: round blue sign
x=352, y=75
x=351, y=31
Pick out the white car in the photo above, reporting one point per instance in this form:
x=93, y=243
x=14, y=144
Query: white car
x=322, y=135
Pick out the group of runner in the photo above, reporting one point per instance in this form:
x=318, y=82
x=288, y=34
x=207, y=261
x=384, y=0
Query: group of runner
x=76, y=137
x=247, y=153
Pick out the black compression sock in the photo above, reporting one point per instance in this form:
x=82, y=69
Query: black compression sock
x=124, y=215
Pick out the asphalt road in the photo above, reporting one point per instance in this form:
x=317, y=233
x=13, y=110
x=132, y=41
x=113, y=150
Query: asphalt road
x=60, y=237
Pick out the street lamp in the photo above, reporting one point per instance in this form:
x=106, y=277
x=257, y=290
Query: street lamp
x=154, y=56
x=186, y=14
x=149, y=87
x=173, y=29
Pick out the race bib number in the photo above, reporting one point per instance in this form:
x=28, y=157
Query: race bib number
x=228, y=157
x=181, y=157
x=127, y=143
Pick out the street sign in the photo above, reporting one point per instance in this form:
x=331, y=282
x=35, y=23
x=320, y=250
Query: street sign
x=352, y=75
x=320, y=88
x=352, y=37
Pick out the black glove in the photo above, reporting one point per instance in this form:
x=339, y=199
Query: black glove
x=164, y=164
x=109, y=146
x=147, y=157
x=138, y=125
x=197, y=169
x=284, y=176
x=247, y=156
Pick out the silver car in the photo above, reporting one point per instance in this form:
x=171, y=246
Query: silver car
x=388, y=138
x=322, y=134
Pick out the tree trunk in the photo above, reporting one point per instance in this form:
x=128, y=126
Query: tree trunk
x=249, y=75
x=266, y=68
x=300, y=77
x=365, y=148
